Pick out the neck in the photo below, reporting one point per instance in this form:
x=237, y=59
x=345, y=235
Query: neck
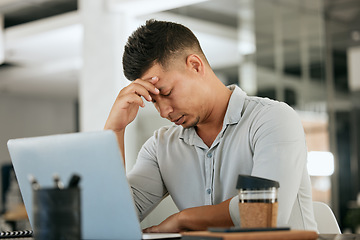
x=212, y=125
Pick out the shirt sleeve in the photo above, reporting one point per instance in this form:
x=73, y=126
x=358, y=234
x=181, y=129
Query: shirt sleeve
x=234, y=211
x=145, y=180
x=280, y=153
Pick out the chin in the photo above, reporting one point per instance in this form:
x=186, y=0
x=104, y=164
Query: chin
x=192, y=124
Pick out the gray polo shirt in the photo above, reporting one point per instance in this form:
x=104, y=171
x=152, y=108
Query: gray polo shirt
x=259, y=137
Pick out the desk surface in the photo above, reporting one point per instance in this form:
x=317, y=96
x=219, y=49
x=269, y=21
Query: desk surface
x=321, y=237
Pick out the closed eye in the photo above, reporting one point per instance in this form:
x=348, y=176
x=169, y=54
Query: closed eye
x=166, y=95
x=163, y=95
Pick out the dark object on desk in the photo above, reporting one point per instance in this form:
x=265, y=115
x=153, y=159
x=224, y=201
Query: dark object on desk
x=16, y=234
x=269, y=235
x=237, y=229
x=56, y=214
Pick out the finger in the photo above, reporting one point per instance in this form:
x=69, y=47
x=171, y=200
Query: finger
x=142, y=92
x=147, y=230
x=134, y=99
x=135, y=88
x=149, y=84
x=153, y=229
x=154, y=80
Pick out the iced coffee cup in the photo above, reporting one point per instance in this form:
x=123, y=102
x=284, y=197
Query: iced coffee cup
x=258, y=205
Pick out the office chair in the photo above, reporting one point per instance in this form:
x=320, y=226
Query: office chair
x=325, y=219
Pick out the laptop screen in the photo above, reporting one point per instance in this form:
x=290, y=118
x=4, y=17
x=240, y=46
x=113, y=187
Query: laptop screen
x=107, y=208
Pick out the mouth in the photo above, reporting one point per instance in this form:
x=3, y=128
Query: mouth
x=179, y=121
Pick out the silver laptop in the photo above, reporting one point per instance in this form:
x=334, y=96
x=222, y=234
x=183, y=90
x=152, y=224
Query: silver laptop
x=107, y=207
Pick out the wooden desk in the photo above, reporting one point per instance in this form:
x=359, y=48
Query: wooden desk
x=321, y=237
x=279, y=237
x=251, y=235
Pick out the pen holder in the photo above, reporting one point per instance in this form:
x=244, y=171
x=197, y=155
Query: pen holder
x=56, y=214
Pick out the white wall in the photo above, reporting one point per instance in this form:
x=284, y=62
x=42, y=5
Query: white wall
x=28, y=116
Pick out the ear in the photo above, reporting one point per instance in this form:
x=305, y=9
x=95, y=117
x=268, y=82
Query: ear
x=195, y=63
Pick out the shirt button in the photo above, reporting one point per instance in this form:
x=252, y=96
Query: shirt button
x=209, y=155
x=208, y=191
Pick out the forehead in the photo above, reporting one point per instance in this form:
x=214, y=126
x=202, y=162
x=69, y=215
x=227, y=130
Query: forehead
x=157, y=71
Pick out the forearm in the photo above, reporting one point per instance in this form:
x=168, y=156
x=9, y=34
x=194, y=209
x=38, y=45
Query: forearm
x=120, y=138
x=196, y=219
x=120, y=135
x=126, y=107
x=200, y=218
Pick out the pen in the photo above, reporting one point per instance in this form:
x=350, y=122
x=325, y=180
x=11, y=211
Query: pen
x=74, y=181
x=34, y=184
x=58, y=183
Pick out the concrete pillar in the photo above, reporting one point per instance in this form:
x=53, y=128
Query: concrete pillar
x=279, y=51
x=247, y=47
x=101, y=76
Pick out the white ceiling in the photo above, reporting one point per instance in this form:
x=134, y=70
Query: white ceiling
x=45, y=55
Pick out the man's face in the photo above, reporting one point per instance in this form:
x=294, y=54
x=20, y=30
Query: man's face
x=180, y=99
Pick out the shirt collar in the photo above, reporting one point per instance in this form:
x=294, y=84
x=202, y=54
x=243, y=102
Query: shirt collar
x=235, y=105
x=232, y=116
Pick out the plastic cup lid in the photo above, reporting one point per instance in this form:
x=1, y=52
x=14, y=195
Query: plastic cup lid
x=251, y=182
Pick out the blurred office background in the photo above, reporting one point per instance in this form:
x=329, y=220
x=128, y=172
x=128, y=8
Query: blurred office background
x=61, y=71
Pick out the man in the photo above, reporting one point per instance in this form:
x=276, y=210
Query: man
x=218, y=133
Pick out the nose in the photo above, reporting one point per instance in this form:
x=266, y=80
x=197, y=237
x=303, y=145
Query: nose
x=164, y=108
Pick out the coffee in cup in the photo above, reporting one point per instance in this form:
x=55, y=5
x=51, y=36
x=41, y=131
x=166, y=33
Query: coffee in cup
x=258, y=205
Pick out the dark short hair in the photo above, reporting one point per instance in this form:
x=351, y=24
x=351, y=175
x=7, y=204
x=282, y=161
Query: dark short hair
x=156, y=42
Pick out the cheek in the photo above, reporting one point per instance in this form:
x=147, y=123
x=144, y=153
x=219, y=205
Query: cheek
x=186, y=103
x=156, y=106
x=186, y=96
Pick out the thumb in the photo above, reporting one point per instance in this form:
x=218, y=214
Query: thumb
x=153, y=229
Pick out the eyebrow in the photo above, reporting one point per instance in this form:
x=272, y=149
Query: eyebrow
x=160, y=90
